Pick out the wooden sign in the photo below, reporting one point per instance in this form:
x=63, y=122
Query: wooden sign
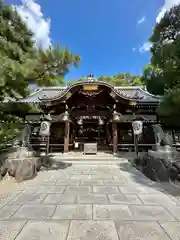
x=90, y=87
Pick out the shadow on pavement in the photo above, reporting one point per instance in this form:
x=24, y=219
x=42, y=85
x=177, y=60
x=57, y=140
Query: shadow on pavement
x=138, y=177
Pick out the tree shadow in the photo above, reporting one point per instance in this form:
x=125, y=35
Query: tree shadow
x=138, y=177
x=48, y=163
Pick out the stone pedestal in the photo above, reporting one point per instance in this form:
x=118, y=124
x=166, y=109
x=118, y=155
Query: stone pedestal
x=19, y=153
x=163, y=152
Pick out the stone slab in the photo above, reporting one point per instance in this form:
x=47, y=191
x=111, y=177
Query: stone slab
x=57, y=198
x=159, y=199
x=93, y=199
x=51, y=189
x=68, y=182
x=50, y=230
x=112, y=212
x=101, y=177
x=7, y=211
x=31, y=189
x=133, y=190
x=91, y=182
x=78, y=189
x=172, y=229
x=123, y=199
x=7, y=197
x=140, y=231
x=80, y=177
x=101, y=171
x=66, y=212
x=10, y=229
x=148, y=213
x=28, y=198
x=92, y=230
x=175, y=211
x=115, y=182
x=105, y=189
x=49, y=182
x=34, y=212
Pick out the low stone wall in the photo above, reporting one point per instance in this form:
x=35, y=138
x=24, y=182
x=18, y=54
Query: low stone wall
x=17, y=152
x=21, y=164
x=158, y=167
x=21, y=169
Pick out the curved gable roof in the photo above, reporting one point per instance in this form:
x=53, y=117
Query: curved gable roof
x=126, y=92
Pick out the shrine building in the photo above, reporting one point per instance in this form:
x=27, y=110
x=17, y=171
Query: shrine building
x=92, y=111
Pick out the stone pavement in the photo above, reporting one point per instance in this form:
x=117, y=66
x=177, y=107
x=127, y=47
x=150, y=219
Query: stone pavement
x=90, y=202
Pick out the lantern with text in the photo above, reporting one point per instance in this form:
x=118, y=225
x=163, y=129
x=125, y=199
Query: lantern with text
x=137, y=127
x=137, y=130
x=45, y=128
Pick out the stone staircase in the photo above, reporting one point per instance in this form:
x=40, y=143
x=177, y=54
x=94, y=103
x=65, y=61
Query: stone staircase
x=99, y=158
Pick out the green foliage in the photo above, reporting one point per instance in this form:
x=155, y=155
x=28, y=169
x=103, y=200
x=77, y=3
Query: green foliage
x=169, y=109
x=15, y=52
x=8, y=132
x=163, y=75
x=21, y=64
x=121, y=79
x=51, y=65
x=153, y=79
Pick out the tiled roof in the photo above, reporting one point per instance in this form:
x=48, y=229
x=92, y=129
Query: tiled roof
x=48, y=92
x=137, y=93
x=132, y=93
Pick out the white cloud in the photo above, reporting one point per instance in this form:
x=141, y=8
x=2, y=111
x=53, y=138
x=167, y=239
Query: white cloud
x=31, y=13
x=145, y=47
x=167, y=5
x=141, y=20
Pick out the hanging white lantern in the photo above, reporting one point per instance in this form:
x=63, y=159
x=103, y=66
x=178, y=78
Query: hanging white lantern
x=45, y=128
x=137, y=127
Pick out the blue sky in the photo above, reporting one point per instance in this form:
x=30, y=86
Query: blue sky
x=108, y=35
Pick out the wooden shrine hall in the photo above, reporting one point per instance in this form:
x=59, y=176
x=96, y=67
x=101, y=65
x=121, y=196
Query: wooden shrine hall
x=92, y=112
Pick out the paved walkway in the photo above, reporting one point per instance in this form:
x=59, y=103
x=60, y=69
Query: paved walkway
x=90, y=202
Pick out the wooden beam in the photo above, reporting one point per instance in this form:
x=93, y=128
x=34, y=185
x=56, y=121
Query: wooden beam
x=66, y=136
x=115, y=137
x=92, y=113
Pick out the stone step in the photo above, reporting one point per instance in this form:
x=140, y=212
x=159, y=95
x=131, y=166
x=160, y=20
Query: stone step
x=98, y=156
x=92, y=162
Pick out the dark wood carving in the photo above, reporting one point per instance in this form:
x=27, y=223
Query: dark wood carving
x=90, y=94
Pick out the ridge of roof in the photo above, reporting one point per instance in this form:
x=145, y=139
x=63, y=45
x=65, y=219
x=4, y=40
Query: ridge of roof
x=36, y=95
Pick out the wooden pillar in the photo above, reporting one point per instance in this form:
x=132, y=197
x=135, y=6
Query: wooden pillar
x=115, y=137
x=66, y=136
x=108, y=134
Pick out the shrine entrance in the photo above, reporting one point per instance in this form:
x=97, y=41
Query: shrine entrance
x=92, y=132
x=91, y=108
x=96, y=113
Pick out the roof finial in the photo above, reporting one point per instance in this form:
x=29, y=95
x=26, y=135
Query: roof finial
x=90, y=76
